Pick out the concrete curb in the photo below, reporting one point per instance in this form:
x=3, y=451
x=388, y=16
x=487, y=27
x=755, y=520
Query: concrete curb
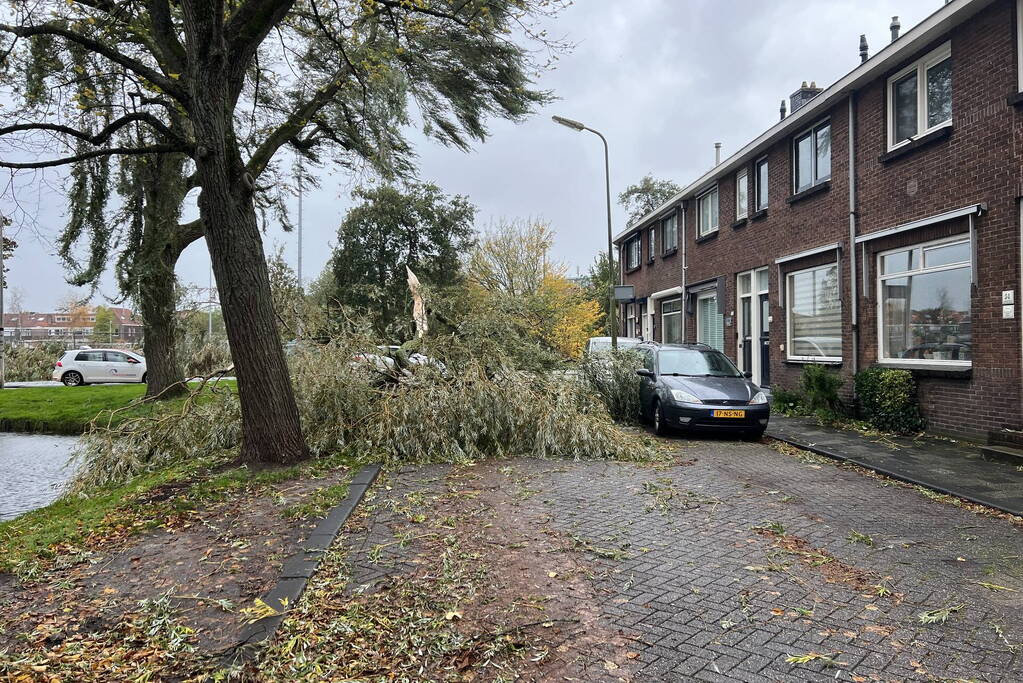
x=890, y=473
x=300, y=567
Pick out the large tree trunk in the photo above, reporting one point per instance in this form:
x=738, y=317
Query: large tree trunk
x=271, y=430
x=154, y=267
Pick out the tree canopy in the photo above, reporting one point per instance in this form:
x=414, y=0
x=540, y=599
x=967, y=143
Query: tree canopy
x=224, y=84
x=391, y=228
x=646, y=195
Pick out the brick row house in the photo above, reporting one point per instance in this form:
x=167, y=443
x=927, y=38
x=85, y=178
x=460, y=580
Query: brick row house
x=68, y=326
x=878, y=222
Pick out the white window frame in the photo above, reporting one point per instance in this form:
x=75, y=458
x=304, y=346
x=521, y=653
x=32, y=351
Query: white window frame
x=788, y=315
x=812, y=133
x=675, y=300
x=756, y=182
x=921, y=270
x=701, y=229
x=740, y=176
x=671, y=220
x=701, y=322
x=920, y=66
x=1019, y=45
x=628, y=252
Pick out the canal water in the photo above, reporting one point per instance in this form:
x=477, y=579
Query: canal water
x=32, y=466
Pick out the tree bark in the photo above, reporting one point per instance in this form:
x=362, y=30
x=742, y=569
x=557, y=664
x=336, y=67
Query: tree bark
x=154, y=268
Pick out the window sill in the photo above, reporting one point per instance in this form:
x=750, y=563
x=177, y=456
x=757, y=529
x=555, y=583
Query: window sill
x=923, y=141
x=632, y=270
x=822, y=186
x=741, y=223
x=708, y=237
x=813, y=361
x=1015, y=99
x=762, y=213
x=670, y=252
x=948, y=370
x=650, y=260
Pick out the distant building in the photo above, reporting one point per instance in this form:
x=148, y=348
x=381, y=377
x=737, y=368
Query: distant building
x=72, y=327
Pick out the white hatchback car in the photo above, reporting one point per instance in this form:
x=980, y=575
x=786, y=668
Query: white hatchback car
x=86, y=366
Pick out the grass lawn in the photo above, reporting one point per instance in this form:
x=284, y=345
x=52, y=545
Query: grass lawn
x=67, y=410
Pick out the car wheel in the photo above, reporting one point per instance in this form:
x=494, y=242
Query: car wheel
x=145, y=375
x=754, y=435
x=660, y=424
x=72, y=379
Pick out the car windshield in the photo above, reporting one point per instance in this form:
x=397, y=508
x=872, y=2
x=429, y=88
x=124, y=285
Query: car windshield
x=696, y=363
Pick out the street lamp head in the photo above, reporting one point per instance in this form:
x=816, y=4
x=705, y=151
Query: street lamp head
x=568, y=122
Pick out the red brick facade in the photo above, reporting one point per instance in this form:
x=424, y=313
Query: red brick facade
x=974, y=161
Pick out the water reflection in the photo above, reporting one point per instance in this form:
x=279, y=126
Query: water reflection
x=31, y=466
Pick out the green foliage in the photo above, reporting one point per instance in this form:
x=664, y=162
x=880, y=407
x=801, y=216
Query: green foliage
x=598, y=287
x=646, y=195
x=472, y=410
x=612, y=375
x=419, y=227
x=786, y=401
x=7, y=246
x=887, y=398
x=819, y=387
x=24, y=363
x=104, y=328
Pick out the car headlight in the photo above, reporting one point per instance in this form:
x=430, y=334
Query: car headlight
x=758, y=399
x=684, y=396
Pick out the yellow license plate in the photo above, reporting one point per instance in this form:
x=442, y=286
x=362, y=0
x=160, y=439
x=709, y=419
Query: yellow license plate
x=729, y=413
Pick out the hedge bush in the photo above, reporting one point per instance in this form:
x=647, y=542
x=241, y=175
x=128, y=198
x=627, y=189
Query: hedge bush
x=820, y=387
x=888, y=400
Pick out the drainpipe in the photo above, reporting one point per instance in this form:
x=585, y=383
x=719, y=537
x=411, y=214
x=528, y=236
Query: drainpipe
x=685, y=265
x=854, y=298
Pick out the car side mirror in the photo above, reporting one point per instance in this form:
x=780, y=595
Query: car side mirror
x=748, y=375
x=643, y=372
x=132, y=361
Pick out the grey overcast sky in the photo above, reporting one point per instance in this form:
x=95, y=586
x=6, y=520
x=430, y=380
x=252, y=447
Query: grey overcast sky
x=662, y=79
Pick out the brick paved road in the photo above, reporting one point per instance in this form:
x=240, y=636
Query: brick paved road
x=702, y=595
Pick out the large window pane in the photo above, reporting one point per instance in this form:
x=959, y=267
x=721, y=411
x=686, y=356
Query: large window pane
x=710, y=324
x=741, y=195
x=900, y=261
x=804, y=162
x=669, y=228
x=905, y=103
x=671, y=321
x=939, y=93
x=815, y=313
x=762, y=185
x=927, y=316
x=823, y=170
x=947, y=254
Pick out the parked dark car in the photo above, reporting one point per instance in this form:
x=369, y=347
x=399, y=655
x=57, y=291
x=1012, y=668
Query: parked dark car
x=693, y=387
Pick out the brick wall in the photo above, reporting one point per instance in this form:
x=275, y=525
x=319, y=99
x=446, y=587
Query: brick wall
x=979, y=162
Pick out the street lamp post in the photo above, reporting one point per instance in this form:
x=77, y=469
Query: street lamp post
x=612, y=304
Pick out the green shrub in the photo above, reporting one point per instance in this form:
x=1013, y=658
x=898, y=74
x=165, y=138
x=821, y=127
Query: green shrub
x=786, y=401
x=888, y=401
x=819, y=388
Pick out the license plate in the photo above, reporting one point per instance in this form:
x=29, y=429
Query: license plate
x=729, y=413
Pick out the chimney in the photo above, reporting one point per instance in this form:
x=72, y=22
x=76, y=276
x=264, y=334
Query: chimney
x=864, y=50
x=782, y=111
x=803, y=95
x=717, y=153
x=895, y=26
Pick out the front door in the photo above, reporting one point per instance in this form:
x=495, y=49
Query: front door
x=646, y=311
x=765, y=341
x=753, y=306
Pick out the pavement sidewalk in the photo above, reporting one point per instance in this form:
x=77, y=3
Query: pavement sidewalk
x=946, y=466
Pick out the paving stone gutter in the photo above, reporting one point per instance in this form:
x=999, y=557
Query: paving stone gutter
x=300, y=567
x=955, y=470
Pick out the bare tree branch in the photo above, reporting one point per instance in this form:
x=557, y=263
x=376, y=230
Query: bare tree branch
x=103, y=135
x=106, y=151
